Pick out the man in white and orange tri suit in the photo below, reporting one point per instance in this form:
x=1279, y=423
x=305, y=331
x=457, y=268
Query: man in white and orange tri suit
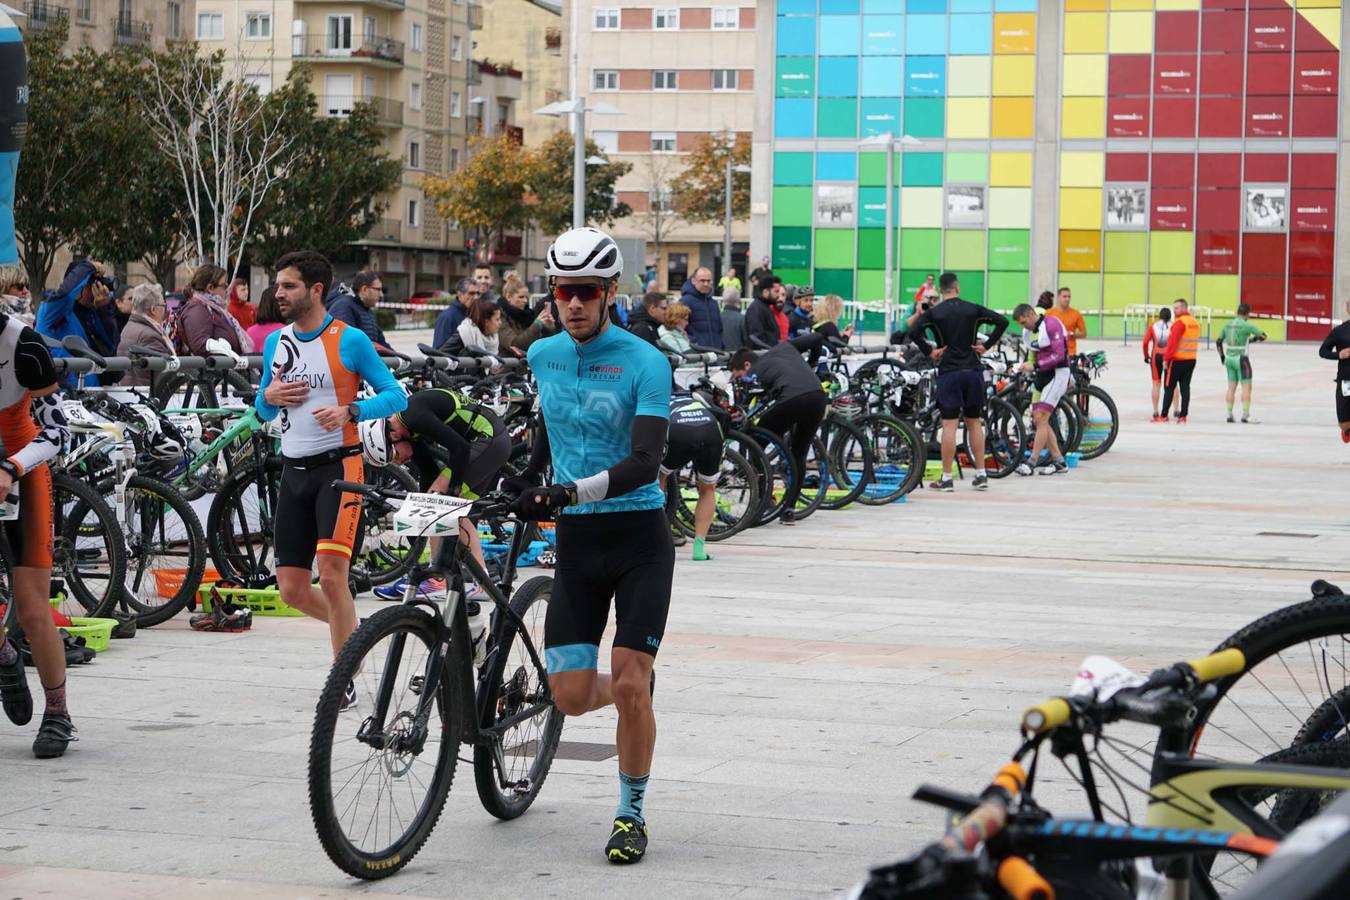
x=311, y=371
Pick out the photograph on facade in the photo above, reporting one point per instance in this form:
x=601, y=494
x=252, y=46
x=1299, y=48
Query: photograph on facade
x=1265, y=207
x=965, y=206
x=1126, y=207
x=836, y=205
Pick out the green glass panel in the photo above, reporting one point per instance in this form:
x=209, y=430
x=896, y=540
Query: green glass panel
x=872, y=247
x=1009, y=249
x=837, y=118
x=792, y=206
x=922, y=170
x=796, y=76
x=871, y=285
x=920, y=248
x=1113, y=326
x=1217, y=292
x=1125, y=251
x=1167, y=288
x=834, y=248
x=910, y=280
x=1086, y=287
x=1171, y=251
x=964, y=250
x=792, y=168
x=1122, y=289
x=924, y=116
x=794, y=276
x=972, y=285
x=968, y=167
x=1007, y=289
x=791, y=248
x=834, y=281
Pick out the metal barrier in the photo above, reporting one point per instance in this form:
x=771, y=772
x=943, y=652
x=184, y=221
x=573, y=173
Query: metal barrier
x=1143, y=314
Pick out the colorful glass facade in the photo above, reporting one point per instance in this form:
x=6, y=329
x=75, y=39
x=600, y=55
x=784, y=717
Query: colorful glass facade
x=1195, y=150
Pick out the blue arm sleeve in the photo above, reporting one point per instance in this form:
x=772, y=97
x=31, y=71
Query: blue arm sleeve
x=358, y=354
x=266, y=411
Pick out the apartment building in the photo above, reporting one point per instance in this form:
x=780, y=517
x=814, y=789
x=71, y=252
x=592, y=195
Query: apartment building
x=102, y=25
x=677, y=73
x=414, y=60
x=526, y=35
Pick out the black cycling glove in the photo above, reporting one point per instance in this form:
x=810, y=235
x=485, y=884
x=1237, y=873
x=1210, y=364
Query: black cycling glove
x=542, y=503
x=518, y=484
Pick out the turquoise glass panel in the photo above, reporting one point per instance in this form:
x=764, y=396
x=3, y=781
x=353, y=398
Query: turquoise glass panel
x=883, y=35
x=796, y=36
x=881, y=76
x=972, y=35
x=926, y=76
x=838, y=76
x=794, y=118
x=879, y=116
x=923, y=34
x=839, y=35
x=836, y=167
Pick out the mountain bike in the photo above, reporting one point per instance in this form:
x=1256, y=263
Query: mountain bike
x=412, y=668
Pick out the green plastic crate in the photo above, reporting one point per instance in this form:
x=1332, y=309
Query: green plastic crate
x=96, y=632
x=262, y=601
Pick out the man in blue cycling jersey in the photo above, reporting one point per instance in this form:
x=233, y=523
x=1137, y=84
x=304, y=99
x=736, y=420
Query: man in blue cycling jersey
x=605, y=397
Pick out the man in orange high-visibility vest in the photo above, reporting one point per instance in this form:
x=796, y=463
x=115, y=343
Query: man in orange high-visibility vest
x=1179, y=358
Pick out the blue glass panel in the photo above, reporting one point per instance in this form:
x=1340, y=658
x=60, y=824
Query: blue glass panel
x=925, y=76
x=838, y=6
x=883, y=35
x=972, y=35
x=796, y=7
x=836, y=167
x=794, y=118
x=882, y=6
x=924, y=34
x=838, y=76
x=1014, y=5
x=881, y=76
x=960, y=6
x=838, y=35
x=796, y=36
x=926, y=6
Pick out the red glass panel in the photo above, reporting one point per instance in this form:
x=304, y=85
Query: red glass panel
x=1127, y=167
x=1311, y=297
x=1176, y=32
x=1216, y=253
x=1208, y=5
x=1173, y=117
x=1175, y=74
x=1221, y=117
x=1312, y=253
x=1270, y=30
x=1218, y=210
x=1314, y=170
x=1173, y=209
x=1222, y=31
x=1304, y=331
x=1221, y=73
x=1218, y=169
x=1314, y=117
x=1173, y=170
x=1127, y=117
x=1268, y=73
x=1267, y=167
x=1127, y=75
x=1312, y=209
x=1267, y=117
x=1316, y=73
x=1263, y=294
x=1263, y=254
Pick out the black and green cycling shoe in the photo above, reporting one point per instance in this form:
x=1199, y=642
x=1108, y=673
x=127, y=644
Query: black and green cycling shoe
x=14, y=693
x=628, y=843
x=55, y=734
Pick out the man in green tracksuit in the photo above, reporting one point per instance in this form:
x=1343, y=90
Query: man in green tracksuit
x=1232, y=345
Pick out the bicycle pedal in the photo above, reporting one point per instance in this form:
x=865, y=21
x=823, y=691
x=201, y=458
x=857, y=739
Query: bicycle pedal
x=416, y=683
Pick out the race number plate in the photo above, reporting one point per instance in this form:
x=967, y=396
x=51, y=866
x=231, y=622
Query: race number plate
x=432, y=514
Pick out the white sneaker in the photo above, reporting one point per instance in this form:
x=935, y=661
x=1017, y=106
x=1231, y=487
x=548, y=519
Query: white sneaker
x=1025, y=469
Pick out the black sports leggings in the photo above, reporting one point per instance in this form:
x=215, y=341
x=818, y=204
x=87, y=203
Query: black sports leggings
x=797, y=419
x=1179, y=372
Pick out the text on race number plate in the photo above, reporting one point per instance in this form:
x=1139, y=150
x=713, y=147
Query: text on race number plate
x=430, y=513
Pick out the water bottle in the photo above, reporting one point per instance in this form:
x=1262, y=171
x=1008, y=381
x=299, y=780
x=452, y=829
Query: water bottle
x=480, y=615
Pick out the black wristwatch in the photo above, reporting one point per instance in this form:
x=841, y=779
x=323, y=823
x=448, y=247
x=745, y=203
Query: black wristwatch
x=571, y=490
x=354, y=412
x=8, y=466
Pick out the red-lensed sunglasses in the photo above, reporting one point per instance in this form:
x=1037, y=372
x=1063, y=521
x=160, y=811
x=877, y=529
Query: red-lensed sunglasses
x=564, y=293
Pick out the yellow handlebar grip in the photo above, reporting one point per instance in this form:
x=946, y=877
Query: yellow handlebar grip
x=1218, y=665
x=1044, y=716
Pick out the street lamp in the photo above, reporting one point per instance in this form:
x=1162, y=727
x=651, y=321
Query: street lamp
x=726, y=234
x=577, y=107
x=890, y=140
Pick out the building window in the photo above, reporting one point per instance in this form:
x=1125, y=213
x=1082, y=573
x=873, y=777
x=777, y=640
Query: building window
x=416, y=37
x=454, y=159
x=659, y=200
x=263, y=82
x=666, y=19
x=414, y=214
x=84, y=10
x=724, y=79
x=210, y=26
x=663, y=142
x=607, y=18
x=726, y=18
x=415, y=95
x=258, y=26
x=607, y=141
x=339, y=33
x=456, y=47
x=414, y=155
x=175, y=19
x=456, y=110
x=605, y=80
x=665, y=80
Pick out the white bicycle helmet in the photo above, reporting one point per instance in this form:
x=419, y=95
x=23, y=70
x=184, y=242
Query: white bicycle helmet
x=582, y=252
x=375, y=444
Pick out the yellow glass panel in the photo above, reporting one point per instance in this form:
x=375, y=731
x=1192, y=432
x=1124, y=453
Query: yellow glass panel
x=1319, y=4
x=1085, y=75
x=968, y=117
x=921, y=207
x=1132, y=4
x=1012, y=117
x=1014, y=76
x=1080, y=5
x=1080, y=208
x=969, y=76
x=1085, y=33
x=1130, y=32
x=1009, y=207
x=1327, y=21
x=1010, y=169
x=1014, y=32
x=1178, y=4
x=1084, y=117
x=1080, y=251
x=1082, y=169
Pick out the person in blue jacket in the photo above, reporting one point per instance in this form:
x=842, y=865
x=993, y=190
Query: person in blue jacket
x=705, y=319
x=81, y=306
x=358, y=307
x=467, y=293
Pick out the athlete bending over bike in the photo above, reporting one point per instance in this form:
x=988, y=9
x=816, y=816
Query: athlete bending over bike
x=605, y=396
x=695, y=437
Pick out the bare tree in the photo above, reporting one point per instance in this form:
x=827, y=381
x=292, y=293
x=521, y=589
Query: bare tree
x=659, y=220
x=229, y=143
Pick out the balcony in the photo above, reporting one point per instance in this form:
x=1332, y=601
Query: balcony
x=131, y=32
x=385, y=231
x=475, y=16
x=376, y=50
x=388, y=113
x=40, y=14
x=382, y=4
x=553, y=39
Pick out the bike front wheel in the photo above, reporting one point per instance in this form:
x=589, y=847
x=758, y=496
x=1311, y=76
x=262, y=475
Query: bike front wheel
x=378, y=782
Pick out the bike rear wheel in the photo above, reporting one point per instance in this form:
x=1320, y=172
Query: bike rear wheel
x=240, y=524
x=1101, y=420
x=849, y=452
x=898, y=459
x=737, y=493
x=89, y=551
x=360, y=772
x=163, y=536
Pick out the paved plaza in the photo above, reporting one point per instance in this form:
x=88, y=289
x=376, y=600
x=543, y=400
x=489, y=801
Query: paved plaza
x=810, y=679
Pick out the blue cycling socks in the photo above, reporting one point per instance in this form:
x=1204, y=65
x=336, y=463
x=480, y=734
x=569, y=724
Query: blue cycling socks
x=632, y=790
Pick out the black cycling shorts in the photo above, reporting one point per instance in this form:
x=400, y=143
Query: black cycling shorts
x=1342, y=405
x=694, y=436
x=960, y=392
x=624, y=556
x=313, y=518
x=1159, y=366
x=486, y=458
